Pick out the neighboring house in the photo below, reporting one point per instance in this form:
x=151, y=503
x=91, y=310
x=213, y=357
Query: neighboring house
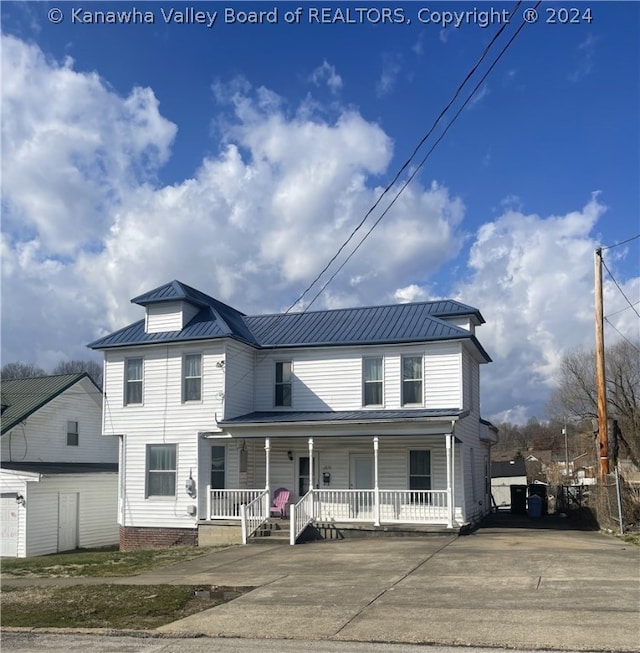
x=58, y=475
x=365, y=415
x=504, y=474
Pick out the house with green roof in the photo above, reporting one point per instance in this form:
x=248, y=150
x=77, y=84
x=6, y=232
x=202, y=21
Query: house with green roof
x=361, y=418
x=58, y=474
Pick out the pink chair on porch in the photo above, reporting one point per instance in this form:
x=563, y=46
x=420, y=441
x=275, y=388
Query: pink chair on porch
x=280, y=500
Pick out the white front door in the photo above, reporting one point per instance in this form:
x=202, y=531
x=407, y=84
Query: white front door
x=361, y=471
x=67, y=521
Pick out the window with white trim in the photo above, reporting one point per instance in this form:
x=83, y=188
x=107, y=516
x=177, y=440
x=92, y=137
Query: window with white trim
x=133, y=381
x=72, y=434
x=283, y=383
x=372, y=381
x=192, y=377
x=161, y=470
x=218, y=464
x=412, y=380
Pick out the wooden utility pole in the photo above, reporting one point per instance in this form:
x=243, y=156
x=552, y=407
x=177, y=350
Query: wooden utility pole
x=600, y=371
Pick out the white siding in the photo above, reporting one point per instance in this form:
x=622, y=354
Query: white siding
x=171, y=316
x=42, y=437
x=331, y=379
x=163, y=418
x=239, y=380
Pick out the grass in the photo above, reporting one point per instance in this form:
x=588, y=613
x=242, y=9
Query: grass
x=139, y=607
x=104, y=562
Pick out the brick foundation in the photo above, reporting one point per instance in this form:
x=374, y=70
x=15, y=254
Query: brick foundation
x=133, y=538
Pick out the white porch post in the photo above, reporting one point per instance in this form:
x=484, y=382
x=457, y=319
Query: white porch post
x=267, y=452
x=376, y=489
x=311, y=464
x=448, y=439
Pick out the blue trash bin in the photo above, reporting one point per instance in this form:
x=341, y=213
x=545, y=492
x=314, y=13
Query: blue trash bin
x=534, y=506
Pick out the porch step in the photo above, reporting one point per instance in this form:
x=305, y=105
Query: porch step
x=273, y=530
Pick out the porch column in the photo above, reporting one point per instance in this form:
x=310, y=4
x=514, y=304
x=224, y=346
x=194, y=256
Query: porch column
x=376, y=489
x=267, y=452
x=311, y=463
x=448, y=439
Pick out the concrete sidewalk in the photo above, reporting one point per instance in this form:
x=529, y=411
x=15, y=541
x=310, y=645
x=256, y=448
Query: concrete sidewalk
x=527, y=588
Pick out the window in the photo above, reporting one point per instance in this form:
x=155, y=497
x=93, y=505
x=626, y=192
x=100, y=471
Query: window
x=372, y=381
x=217, y=467
x=303, y=475
x=133, y=381
x=411, y=380
x=72, y=434
x=283, y=383
x=192, y=377
x=419, y=469
x=161, y=470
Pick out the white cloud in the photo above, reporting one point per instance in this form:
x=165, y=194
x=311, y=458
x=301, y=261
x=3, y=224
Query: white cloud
x=391, y=68
x=482, y=93
x=326, y=74
x=253, y=226
x=584, y=58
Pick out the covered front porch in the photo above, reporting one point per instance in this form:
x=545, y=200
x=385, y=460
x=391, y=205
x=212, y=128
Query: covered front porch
x=376, y=480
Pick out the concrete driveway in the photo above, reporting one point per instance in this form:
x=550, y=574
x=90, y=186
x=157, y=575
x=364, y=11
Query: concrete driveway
x=527, y=588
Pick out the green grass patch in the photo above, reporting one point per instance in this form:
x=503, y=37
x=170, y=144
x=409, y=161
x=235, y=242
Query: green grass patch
x=99, y=562
x=139, y=607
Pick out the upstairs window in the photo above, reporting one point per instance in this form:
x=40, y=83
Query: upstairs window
x=133, y=381
x=161, y=470
x=283, y=383
x=411, y=380
x=192, y=378
x=372, y=381
x=72, y=434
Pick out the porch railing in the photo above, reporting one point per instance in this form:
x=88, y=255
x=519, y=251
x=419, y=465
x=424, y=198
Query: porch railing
x=254, y=514
x=225, y=504
x=301, y=515
x=344, y=505
x=413, y=506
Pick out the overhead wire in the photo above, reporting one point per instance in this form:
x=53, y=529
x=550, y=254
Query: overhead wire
x=635, y=310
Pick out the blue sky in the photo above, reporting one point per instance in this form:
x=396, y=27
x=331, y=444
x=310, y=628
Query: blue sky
x=238, y=158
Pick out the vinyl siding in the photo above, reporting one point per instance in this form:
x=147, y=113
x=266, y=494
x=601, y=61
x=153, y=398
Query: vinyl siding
x=331, y=379
x=42, y=437
x=239, y=380
x=171, y=316
x=163, y=418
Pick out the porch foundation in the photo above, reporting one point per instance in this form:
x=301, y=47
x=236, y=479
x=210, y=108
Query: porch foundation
x=219, y=533
x=342, y=531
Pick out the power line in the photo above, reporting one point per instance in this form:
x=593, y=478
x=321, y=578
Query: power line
x=624, y=242
x=621, y=334
x=406, y=164
x=415, y=172
x=622, y=310
x=635, y=310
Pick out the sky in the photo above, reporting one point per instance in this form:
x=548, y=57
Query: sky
x=238, y=154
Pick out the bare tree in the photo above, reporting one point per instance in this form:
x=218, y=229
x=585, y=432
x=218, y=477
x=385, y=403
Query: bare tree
x=93, y=369
x=20, y=371
x=576, y=395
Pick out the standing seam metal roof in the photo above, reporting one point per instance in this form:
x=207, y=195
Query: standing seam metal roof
x=392, y=323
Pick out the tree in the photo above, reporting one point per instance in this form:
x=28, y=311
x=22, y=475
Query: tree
x=93, y=369
x=20, y=371
x=576, y=395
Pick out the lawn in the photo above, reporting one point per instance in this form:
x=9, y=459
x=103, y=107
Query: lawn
x=104, y=562
x=139, y=607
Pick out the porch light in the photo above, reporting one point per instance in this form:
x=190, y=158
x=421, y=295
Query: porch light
x=290, y=455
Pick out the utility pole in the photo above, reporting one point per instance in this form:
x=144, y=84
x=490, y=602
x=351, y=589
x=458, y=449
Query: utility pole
x=600, y=371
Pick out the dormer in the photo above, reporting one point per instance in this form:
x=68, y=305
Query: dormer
x=170, y=307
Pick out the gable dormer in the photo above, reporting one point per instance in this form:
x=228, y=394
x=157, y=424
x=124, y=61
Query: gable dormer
x=170, y=307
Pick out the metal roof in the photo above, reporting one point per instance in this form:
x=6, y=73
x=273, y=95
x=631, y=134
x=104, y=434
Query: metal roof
x=23, y=397
x=508, y=468
x=296, y=417
x=61, y=468
x=393, y=323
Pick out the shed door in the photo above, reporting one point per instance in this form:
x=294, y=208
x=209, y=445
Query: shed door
x=9, y=525
x=68, y=521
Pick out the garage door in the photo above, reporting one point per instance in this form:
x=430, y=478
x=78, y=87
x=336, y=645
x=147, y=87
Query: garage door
x=8, y=525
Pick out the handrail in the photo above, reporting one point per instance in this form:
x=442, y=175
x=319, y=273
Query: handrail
x=301, y=515
x=225, y=504
x=254, y=514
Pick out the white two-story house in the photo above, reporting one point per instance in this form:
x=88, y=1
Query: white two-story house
x=366, y=416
